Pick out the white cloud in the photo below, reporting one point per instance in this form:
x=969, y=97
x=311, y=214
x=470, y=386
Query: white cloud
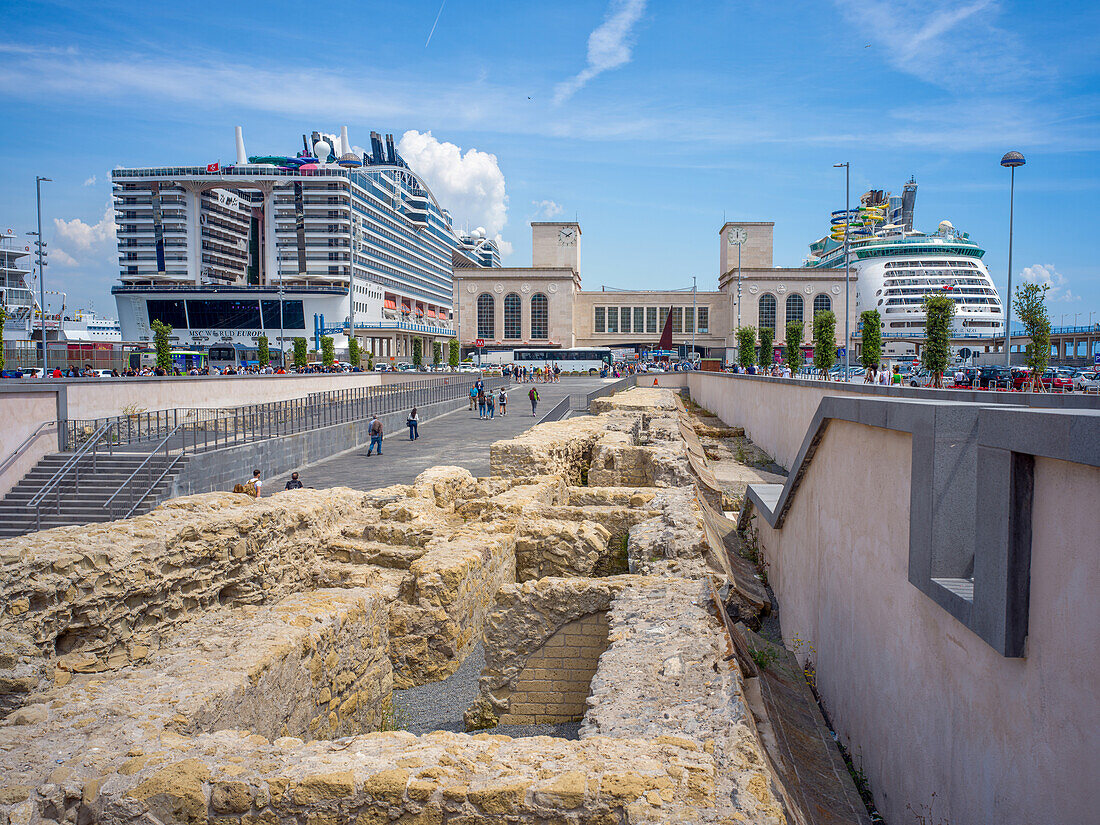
x=546, y=209
x=1046, y=275
x=943, y=42
x=609, y=46
x=470, y=185
x=90, y=181
x=84, y=235
x=92, y=242
x=504, y=246
x=59, y=257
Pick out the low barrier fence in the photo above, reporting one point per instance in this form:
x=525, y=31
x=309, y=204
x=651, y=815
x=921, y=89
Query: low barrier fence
x=195, y=430
x=608, y=389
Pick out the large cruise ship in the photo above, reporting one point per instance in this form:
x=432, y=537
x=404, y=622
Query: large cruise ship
x=349, y=243
x=15, y=295
x=897, y=267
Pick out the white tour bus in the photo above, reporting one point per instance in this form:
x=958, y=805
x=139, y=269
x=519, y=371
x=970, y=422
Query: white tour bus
x=591, y=360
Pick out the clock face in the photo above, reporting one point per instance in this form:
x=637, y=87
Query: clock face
x=566, y=236
x=737, y=236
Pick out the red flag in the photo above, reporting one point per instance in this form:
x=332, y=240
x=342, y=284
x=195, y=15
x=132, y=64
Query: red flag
x=666, y=333
x=948, y=287
x=212, y=167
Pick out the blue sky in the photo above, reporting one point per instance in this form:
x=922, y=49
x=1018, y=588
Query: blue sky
x=649, y=122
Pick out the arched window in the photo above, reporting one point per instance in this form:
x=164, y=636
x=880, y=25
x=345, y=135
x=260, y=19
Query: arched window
x=513, y=321
x=822, y=303
x=486, y=316
x=767, y=311
x=540, y=317
x=795, y=308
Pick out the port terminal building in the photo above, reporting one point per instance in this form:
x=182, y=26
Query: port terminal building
x=544, y=305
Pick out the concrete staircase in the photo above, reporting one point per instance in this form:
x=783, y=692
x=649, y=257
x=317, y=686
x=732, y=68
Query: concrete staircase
x=84, y=503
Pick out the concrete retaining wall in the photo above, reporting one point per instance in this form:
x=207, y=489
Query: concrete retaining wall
x=26, y=403
x=775, y=412
x=923, y=703
x=22, y=411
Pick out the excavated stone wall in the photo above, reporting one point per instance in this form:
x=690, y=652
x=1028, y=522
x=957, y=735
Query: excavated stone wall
x=101, y=595
x=523, y=621
x=221, y=660
x=554, y=684
x=665, y=674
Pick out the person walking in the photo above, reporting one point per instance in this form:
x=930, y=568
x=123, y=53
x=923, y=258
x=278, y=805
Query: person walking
x=375, y=431
x=256, y=483
x=502, y=401
x=534, y=396
x=294, y=483
x=895, y=379
x=490, y=404
x=481, y=403
x=413, y=423
x=473, y=397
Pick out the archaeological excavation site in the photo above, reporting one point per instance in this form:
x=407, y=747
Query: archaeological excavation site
x=229, y=660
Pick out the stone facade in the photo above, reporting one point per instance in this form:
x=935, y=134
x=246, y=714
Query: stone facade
x=579, y=318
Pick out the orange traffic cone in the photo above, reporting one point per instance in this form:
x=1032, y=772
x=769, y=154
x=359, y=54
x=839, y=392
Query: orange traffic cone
x=655, y=382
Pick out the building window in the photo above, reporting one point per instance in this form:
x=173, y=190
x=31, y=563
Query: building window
x=600, y=324
x=624, y=319
x=677, y=320
x=513, y=321
x=822, y=303
x=540, y=317
x=651, y=319
x=795, y=308
x=689, y=319
x=663, y=316
x=639, y=319
x=612, y=319
x=767, y=311
x=703, y=317
x=486, y=316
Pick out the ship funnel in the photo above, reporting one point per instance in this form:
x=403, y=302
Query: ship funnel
x=242, y=158
x=345, y=144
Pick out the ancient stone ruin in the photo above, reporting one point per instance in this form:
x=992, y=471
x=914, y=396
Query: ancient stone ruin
x=227, y=660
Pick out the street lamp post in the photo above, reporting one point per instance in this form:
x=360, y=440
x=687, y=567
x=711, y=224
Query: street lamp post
x=1011, y=160
x=694, y=318
x=282, y=323
x=41, y=268
x=847, y=265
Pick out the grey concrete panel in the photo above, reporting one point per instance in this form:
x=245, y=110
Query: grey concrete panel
x=970, y=498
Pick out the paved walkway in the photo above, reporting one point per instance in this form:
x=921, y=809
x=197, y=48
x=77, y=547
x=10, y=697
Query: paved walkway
x=459, y=438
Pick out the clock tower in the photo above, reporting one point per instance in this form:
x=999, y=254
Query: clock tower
x=556, y=244
x=752, y=238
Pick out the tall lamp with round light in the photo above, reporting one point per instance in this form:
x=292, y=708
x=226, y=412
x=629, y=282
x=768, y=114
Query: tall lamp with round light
x=1011, y=160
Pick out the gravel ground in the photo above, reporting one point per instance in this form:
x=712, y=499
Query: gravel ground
x=440, y=705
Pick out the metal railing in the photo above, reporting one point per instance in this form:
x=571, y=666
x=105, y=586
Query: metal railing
x=194, y=430
x=608, y=389
x=91, y=445
x=558, y=411
x=119, y=508
x=18, y=451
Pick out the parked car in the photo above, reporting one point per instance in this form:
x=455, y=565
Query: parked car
x=920, y=378
x=994, y=377
x=1087, y=381
x=1057, y=380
